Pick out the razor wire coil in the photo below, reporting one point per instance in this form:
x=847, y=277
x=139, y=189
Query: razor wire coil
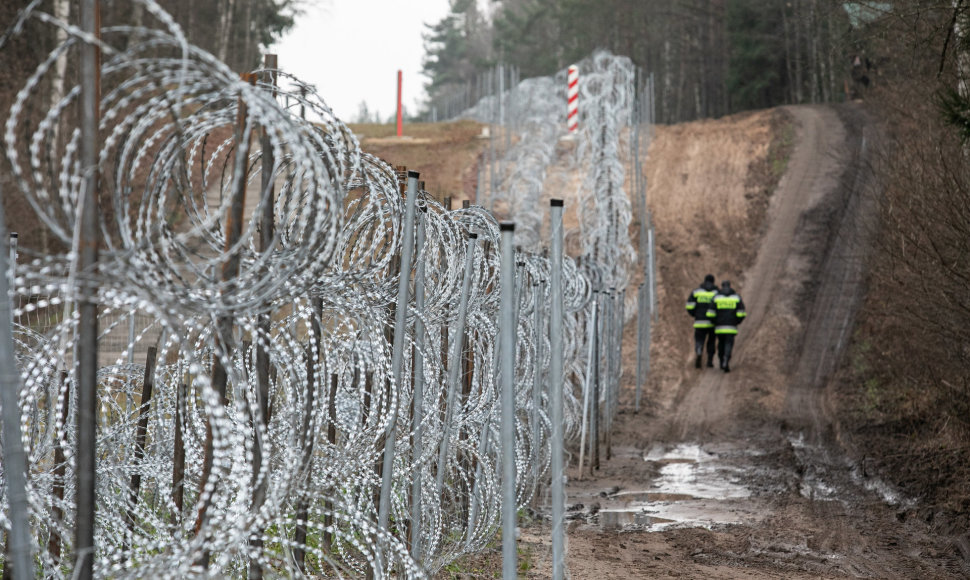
x=295, y=451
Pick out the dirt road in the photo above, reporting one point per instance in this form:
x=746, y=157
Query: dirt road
x=743, y=475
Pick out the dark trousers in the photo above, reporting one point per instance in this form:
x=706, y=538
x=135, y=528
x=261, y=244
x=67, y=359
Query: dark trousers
x=700, y=335
x=725, y=344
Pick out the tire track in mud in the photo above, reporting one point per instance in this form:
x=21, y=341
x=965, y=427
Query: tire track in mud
x=836, y=299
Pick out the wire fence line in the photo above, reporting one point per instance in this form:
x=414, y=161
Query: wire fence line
x=272, y=405
x=526, y=122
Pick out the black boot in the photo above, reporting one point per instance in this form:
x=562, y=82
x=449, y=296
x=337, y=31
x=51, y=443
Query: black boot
x=726, y=367
x=697, y=362
x=710, y=362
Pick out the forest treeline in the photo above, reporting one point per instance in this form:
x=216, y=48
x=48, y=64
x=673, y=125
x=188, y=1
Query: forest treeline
x=233, y=30
x=709, y=57
x=236, y=31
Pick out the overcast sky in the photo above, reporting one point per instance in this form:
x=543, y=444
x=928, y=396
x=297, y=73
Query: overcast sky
x=352, y=49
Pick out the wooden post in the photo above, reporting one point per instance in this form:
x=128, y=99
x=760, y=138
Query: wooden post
x=178, y=462
x=267, y=224
x=332, y=440
x=222, y=339
x=87, y=362
x=306, y=466
x=60, y=470
x=141, y=434
x=400, y=112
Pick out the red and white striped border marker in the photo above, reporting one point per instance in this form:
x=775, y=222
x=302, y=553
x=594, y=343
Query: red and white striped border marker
x=572, y=118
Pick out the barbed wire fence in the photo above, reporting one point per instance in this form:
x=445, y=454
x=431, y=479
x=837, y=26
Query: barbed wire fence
x=298, y=372
x=526, y=125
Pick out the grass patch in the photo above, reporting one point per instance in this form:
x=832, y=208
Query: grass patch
x=780, y=150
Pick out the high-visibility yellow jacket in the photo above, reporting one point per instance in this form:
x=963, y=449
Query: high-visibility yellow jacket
x=699, y=303
x=727, y=311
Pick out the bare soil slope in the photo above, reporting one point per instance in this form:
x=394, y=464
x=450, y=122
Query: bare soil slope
x=741, y=475
x=446, y=154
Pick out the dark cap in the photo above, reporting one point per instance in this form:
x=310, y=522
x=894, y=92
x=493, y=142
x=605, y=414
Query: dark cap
x=555, y=202
x=507, y=226
x=725, y=283
x=709, y=278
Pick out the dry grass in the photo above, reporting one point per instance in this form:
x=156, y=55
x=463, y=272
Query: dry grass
x=446, y=154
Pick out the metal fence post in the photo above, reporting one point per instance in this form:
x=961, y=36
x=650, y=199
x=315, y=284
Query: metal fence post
x=397, y=352
x=538, y=290
x=588, y=382
x=12, y=265
x=594, y=421
x=652, y=268
x=507, y=375
x=641, y=340
x=609, y=321
x=417, y=417
x=15, y=460
x=555, y=390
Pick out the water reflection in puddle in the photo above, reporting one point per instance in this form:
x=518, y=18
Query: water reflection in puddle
x=688, y=470
x=694, y=487
x=616, y=519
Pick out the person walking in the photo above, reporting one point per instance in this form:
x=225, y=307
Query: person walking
x=727, y=313
x=699, y=303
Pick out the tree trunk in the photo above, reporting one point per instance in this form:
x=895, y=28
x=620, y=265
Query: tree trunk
x=667, y=85
x=249, y=52
x=789, y=67
x=59, y=472
x=178, y=460
x=830, y=47
x=799, y=69
x=225, y=28
x=814, y=60
x=141, y=435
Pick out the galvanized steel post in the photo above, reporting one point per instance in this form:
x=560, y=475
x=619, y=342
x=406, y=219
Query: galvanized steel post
x=652, y=265
x=397, y=348
x=641, y=338
x=594, y=420
x=15, y=460
x=555, y=390
x=609, y=320
x=538, y=290
x=417, y=417
x=12, y=265
x=587, y=383
x=507, y=385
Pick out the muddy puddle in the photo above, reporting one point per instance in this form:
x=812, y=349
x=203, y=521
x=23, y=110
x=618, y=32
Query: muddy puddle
x=694, y=486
